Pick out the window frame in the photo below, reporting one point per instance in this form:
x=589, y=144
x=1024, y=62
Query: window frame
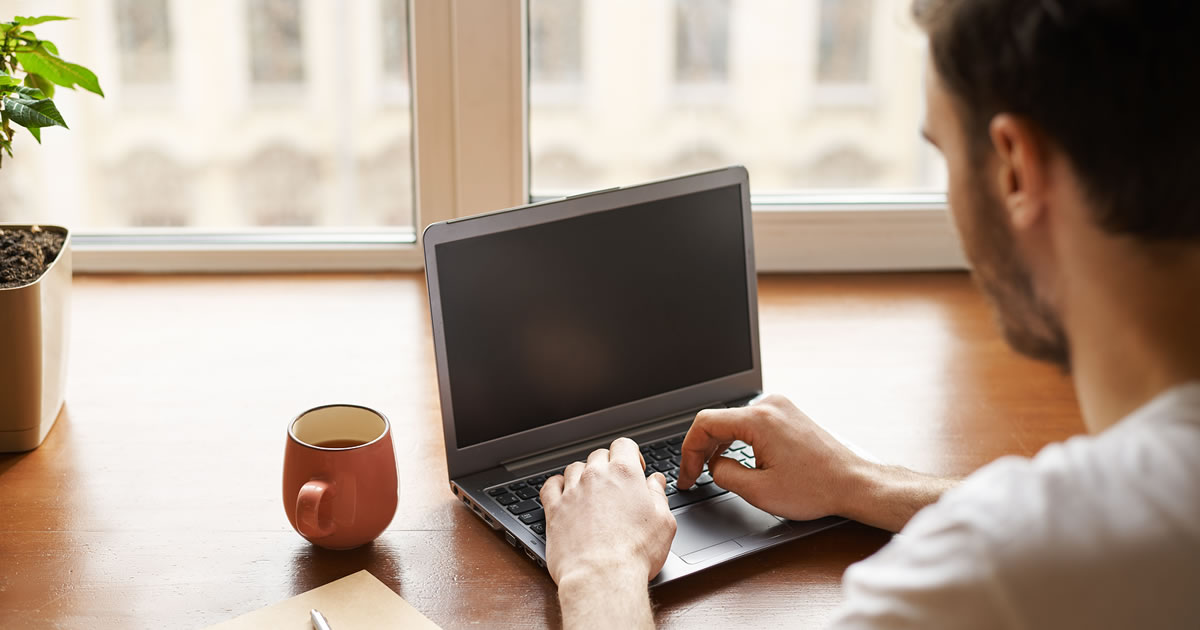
x=469, y=84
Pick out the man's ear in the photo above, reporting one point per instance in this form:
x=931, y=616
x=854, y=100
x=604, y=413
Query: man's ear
x=1021, y=169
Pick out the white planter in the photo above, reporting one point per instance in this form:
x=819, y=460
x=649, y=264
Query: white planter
x=33, y=351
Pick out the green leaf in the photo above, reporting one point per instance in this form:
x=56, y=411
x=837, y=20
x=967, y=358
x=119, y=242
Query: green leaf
x=42, y=61
x=7, y=80
x=51, y=47
x=7, y=147
x=30, y=113
x=36, y=132
x=34, y=21
x=40, y=82
x=29, y=93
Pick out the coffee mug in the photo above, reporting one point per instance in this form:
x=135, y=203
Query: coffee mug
x=339, y=475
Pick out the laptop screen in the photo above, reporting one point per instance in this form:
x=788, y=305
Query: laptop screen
x=561, y=319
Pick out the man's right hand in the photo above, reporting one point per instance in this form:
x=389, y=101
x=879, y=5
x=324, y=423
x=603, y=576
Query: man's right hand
x=801, y=472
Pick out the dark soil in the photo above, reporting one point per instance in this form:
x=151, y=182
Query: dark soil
x=25, y=254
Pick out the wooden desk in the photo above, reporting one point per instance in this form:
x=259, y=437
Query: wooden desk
x=155, y=501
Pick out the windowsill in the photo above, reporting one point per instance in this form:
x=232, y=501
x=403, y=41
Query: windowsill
x=821, y=231
x=166, y=251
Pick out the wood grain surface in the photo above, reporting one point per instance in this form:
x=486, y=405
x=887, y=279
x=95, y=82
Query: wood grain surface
x=155, y=501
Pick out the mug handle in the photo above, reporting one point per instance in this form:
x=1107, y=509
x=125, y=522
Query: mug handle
x=308, y=510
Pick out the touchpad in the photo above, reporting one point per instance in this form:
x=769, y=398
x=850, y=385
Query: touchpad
x=719, y=521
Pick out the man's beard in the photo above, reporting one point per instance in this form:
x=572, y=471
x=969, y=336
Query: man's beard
x=1029, y=324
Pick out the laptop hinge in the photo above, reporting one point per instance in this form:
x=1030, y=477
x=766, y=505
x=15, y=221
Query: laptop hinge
x=578, y=450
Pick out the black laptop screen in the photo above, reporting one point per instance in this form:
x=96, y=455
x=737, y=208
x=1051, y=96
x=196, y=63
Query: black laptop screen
x=562, y=319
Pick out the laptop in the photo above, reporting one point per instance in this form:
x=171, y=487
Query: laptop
x=563, y=325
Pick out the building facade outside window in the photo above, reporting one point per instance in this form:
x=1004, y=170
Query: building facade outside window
x=144, y=41
x=276, y=41
x=844, y=45
x=223, y=116
x=812, y=96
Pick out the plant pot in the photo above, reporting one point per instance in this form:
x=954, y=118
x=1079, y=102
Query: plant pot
x=33, y=350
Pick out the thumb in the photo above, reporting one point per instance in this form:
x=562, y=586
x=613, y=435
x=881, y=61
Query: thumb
x=733, y=476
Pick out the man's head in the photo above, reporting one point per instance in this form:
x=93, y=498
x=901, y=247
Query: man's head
x=1041, y=105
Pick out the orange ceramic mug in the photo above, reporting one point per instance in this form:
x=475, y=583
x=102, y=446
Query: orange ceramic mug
x=339, y=475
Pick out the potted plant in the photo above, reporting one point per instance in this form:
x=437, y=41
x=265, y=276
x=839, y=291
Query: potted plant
x=35, y=260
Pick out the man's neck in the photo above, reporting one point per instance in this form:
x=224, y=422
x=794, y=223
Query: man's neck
x=1132, y=314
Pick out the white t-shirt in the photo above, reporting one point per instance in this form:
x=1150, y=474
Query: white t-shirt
x=1097, y=532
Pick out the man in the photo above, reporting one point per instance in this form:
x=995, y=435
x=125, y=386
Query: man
x=1071, y=134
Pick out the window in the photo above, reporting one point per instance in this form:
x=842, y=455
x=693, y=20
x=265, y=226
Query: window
x=143, y=41
x=275, y=41
x=151, y=188
x=555, y=42
x=701, y=41
x=811, y=96
x=269, y=116
x=294, y=134
x=393, y=33
x=844, y=49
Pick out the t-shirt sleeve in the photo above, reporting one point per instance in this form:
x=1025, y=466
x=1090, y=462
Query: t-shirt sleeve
x=935, y=574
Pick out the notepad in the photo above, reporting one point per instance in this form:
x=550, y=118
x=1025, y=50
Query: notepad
x=355, y=602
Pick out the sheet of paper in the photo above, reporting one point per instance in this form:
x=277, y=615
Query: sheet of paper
x=355, y=602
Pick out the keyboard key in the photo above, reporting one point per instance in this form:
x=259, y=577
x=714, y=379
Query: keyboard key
x=649, y=470
x=672, y=474
x=527, y=493
x=674, y=448
x=660, y=444
x=661, y=453
x=675, y=459
x=515, y=486
x=662, y=466
x=523, y=507
x=670, y=489
x=698, y=493
x=530, y=518
x=507, y=499
x=704, y=479
x=539, y=529
x=678, y=439
x=497, y=491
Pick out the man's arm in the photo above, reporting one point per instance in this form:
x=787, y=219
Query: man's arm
x=887, y=497
x=612, y=598
x=608, y=533
x=801, y=472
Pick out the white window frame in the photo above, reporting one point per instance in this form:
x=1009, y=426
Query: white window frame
x=470, y=155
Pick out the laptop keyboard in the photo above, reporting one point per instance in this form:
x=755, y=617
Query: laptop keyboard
x=521, y=498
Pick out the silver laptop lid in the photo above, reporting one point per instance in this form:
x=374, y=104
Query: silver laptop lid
x=571, y=319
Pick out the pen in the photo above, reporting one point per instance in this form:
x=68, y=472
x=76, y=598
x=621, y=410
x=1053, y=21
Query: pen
x=318, y=620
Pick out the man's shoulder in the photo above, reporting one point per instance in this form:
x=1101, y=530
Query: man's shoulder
x=1105, y=527
x=1090, y=486
x=1089, y=490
